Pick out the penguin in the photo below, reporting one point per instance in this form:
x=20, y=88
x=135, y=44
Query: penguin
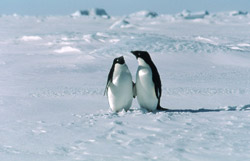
x=119, y=87
x=148, y=82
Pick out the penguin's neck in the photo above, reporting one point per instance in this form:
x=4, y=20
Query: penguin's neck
x=120, y=73
x=119, y=68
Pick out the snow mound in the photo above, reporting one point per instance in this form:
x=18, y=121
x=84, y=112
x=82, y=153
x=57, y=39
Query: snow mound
x=121, y=24
x=31, y=38
x=100, y=37
x=244, y=45
x=144, y=14
x=67, y=49
x=97, y=37
x=95, y=12
x=80, y=13
x=238, y=13
x=186, y=14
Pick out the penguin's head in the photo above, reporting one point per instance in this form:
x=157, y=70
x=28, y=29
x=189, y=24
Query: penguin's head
x=119, y=60
x=143, y=55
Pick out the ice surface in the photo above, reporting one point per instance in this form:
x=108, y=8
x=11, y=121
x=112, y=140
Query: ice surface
x=53, y=74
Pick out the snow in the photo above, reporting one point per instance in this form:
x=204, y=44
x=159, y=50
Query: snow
x=121, y=24
x=67, y=49
x=144, y=14
x=31, y=38
x=54, y=71
x=244, y=45
x=80, y=13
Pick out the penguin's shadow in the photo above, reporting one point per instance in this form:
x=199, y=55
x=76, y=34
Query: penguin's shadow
x=202, y=110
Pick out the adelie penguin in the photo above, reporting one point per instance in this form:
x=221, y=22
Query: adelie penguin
x=148, y=82
x=119, y=87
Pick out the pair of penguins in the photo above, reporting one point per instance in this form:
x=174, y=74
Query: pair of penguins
x=121, y=89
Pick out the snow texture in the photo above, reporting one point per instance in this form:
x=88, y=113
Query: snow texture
x=54, y=71
x=121, y=24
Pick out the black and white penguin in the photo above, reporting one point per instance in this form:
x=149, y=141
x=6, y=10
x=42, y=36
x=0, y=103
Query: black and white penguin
x=119, y=87
x=148, y=82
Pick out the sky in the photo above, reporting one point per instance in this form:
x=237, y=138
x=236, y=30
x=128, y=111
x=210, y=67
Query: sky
x=118, y=7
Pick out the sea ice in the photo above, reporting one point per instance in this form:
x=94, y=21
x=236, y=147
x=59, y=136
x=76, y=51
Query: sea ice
x=52, y=79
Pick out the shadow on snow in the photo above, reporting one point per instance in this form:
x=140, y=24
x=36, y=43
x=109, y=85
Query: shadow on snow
x=228, y=108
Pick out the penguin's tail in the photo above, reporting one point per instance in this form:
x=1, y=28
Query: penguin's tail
x=159, y=108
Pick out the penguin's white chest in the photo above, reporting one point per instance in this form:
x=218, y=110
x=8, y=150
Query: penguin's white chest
x=120, y=90
x=145, y=88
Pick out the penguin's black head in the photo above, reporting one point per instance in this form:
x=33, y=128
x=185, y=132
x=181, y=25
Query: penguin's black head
x=119, y=60
x=141, y=54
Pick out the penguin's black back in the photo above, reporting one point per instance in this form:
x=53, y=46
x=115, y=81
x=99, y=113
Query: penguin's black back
x=110, y=77
x=157, y=81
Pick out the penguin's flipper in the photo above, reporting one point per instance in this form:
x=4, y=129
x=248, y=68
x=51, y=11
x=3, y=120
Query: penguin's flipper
x=134, y=90
x=105, y=91
x=110, y=78
x=106, y=88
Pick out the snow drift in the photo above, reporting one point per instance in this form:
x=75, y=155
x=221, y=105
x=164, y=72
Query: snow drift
x=121, y=24
x=31, y=38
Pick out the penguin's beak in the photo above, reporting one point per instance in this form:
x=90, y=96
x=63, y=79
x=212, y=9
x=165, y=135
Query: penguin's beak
x=135, y=54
